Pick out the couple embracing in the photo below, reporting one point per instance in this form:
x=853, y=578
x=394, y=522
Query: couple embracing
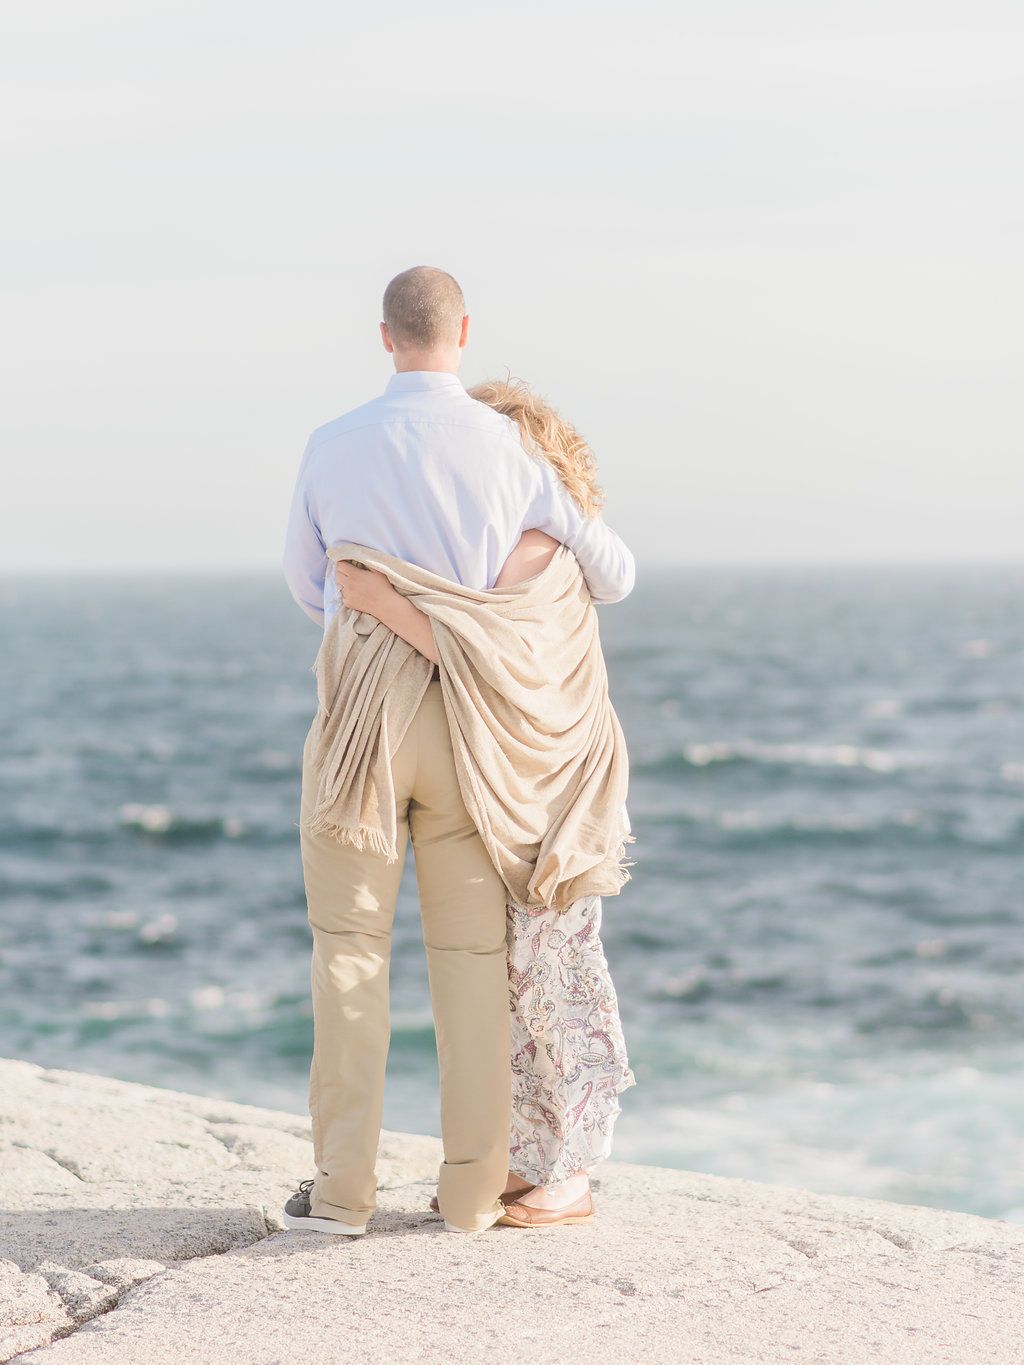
x=450, y=544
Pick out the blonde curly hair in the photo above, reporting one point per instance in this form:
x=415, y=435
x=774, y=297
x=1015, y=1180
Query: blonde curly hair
x=547, y=436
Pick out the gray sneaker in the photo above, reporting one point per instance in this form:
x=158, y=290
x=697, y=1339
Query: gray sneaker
x=298, y=1216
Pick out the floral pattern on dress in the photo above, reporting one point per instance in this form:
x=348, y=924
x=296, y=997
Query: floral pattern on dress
x=569, y=1062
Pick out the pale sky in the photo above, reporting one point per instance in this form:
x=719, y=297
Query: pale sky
x=766, y=254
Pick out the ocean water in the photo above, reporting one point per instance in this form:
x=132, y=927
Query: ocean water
x=819, y=958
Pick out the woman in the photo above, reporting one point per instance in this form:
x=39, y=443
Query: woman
x=568, y=1056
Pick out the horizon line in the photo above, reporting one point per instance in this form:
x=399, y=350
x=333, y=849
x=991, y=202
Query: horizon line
x=263, y=567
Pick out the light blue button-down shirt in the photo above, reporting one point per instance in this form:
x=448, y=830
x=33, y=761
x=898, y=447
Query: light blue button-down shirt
x=430, y=475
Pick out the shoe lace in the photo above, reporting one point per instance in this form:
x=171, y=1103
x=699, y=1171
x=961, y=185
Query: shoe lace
x=305, y=1186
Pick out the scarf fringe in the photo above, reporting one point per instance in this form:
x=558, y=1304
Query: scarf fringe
x=365, y=838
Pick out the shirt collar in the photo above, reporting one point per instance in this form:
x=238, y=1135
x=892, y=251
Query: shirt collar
x=416, y=381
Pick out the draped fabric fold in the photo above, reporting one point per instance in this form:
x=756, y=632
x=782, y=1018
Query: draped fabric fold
x=539, y=752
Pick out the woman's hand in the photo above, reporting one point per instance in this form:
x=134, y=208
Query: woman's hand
x=365, y=589
x=369, y=591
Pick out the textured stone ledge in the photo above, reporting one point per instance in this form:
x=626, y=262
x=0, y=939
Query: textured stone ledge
x=141, y=1225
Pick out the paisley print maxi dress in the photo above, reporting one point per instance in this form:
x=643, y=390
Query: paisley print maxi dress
x=569, y=1062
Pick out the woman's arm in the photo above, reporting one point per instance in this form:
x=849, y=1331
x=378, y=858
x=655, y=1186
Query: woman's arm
x=606, y=562
x=533, y=553
x=370, y=591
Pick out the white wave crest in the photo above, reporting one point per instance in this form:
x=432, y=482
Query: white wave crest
x=810, y=755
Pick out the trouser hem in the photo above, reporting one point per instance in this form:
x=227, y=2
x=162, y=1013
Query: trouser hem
x=319, y=1208
x=481, y=1223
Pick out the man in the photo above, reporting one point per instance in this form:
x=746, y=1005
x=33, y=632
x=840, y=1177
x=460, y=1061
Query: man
x=430, y=476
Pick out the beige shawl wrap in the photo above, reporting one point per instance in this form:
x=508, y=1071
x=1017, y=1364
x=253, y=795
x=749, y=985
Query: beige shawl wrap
x=539, y=752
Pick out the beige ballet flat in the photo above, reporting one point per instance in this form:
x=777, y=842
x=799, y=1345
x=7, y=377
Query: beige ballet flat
x=524, y=1216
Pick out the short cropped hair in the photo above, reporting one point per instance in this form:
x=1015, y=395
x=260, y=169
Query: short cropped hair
x=423, y=307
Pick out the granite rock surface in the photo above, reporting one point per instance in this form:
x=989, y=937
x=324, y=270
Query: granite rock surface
x=140, y=1226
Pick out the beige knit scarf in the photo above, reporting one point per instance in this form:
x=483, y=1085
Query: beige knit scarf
x=539, y=752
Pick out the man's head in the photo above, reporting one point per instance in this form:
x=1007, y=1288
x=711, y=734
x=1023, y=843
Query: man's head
x=425, y=322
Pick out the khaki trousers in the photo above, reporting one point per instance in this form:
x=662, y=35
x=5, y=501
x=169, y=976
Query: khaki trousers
x=351, y=897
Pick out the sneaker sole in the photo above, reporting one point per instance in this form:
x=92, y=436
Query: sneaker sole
x=331, y=1225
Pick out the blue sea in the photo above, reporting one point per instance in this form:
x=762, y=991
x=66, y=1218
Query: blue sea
x=819, y=957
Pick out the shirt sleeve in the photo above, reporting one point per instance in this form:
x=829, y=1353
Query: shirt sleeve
x=305, y=557
x=607, y=564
